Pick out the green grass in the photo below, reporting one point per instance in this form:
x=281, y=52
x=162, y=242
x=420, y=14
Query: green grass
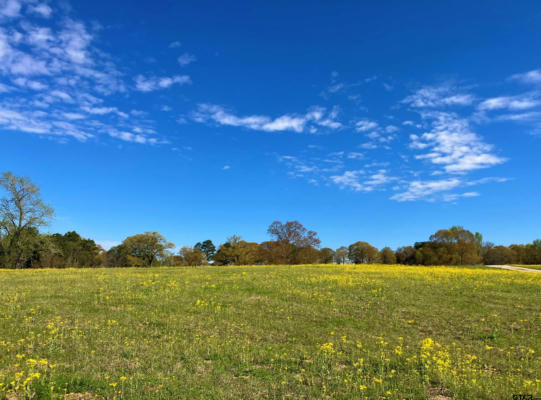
x=348, y=332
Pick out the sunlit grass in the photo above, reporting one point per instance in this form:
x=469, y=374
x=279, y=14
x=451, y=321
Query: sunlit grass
x=374, y=331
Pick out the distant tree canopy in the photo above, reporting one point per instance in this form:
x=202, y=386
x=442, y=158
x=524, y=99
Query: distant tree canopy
x=191, y=256
x=239, y=252
x=206, y=247
x=23, y=213
x=387, y=256
x=146, y=248
x=362, y=253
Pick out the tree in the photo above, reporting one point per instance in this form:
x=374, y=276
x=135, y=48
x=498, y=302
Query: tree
x=341, y=255
x=20, y=211
x=146, y=248
x=117, y=256
x=206, y=247
x=293, y=232
x=277, y=253
x=499, y=255
x=295, y=240
x=456, y=246
x=387, y=256
x=406, y=255
x=326, y=256
x=192, y=256
x=479, y=242
x=76, y=251
x=362, y=252
x=239, y=252
x=306, y=255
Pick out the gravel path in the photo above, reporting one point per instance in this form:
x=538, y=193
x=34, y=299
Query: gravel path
x=537, y=271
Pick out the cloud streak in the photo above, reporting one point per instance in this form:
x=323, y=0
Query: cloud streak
x=317, y=117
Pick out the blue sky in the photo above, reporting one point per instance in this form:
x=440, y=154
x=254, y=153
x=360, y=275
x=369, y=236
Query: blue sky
x=380, y=121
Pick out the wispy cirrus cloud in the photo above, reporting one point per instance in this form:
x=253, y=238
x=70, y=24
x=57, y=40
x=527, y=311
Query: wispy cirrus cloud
x=533, y=76
x=513, y=103
x=152, y=83
x=424, y=189
x=377, y=135
x=55, y=80
x=186, y=59
x=439, y=96
x=432, y=190
x=365, y=125
x=317, y=117
x=360, y=180
x=453, y=145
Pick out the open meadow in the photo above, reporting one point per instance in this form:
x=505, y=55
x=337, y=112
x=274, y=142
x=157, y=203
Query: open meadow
x=369, y=331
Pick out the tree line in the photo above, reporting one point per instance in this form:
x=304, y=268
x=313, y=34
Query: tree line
x=23, y=213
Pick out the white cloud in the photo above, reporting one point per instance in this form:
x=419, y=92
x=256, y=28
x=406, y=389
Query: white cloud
x=55, y=67
x=226, y=167
x=10, y=8
x=41, y=9
x=104, y=111
x=365, y=125
x=186, y=59
x=452, y=145
x=509, y=102
x=377, y=179
x=131, y=137
x=520, y=117
x=296, y=123
x=533, y=76
x=62, y=95
x=349, y=179
x=73, y=116
x=357, y=180
x=438, y=96
x=154, y=83
x=31, y=84
x=174, y=45
x=284, y=123
x=423, y=189
x=355, y=155
x=456, y=196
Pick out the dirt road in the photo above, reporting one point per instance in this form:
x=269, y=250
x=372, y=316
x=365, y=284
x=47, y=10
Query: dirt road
x=510, y=267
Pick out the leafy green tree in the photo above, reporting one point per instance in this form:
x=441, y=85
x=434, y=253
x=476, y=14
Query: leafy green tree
x=192, y=256
x=387, y=256
x=20, y=211
x=77, y=251
x=117, y=256
x=277, y=253
x=362, y=253
x=207, y=247
x=406, y=255
x=239, y=252
x=341, y=255
x=146, y=248
x=499, y=255
x=326, y=256
x=456, y=246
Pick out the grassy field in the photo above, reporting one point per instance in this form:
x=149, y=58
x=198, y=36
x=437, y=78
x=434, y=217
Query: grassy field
x=352, y=332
